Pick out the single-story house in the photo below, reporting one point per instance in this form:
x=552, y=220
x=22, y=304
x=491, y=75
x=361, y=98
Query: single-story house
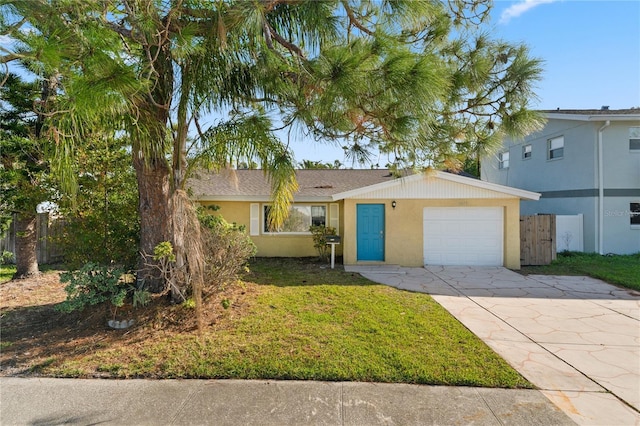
x=433, y=218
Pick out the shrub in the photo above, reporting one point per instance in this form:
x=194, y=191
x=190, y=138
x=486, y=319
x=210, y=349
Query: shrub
x=227, y=249
x=6, y=258
x=319, y=234
x=94, y=284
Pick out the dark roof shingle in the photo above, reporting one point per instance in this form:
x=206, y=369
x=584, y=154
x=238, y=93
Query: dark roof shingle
x=320, y=183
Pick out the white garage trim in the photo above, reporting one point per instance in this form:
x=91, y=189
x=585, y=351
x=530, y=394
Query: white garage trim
x=463, y=236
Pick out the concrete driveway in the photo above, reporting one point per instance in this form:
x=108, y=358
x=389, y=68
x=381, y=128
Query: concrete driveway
x=576, y=338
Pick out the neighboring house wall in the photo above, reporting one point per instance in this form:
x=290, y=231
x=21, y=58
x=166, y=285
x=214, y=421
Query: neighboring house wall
x=274, y=244
x=570, y=185
x=404, y=228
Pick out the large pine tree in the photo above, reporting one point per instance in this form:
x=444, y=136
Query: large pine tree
x=23, y=165
x=417, y=80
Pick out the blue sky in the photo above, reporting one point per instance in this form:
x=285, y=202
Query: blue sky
x=591, y=51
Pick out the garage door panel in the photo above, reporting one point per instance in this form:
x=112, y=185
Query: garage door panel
x=463, y=235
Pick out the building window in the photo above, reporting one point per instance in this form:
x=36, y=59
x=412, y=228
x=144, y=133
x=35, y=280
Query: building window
x=556, y=148
x=634, y=139
x=301, y=217
x=634, y=214
x=526, y=151
x=503, y=160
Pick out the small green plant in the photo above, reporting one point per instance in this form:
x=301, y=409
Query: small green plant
x=164, y=251
x=165, y=257
x=94, y=284
x=225, y=303
x=141, y=298
x=319, y=234
x=189, y=304
x=6, y=258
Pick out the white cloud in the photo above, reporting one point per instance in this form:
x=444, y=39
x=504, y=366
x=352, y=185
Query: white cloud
x=518, y=9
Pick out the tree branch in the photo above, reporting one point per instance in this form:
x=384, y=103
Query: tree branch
x=10, y=57
x=120, y=30
x=353, y=20
x=285, y=43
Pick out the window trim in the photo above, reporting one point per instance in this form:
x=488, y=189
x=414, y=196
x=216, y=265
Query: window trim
x=263, y=214
x=502, y=161
x=634, y=213
x=549, y=150
x=634, y=135
x=525, y=152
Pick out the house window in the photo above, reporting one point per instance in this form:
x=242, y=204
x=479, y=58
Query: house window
x=634, y=139
x=526, y=151
x=301, y=217
x=556, y=148
x=634, y=214
x=503, y=160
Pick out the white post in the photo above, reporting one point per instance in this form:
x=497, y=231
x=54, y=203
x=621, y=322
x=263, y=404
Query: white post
x=333, y=255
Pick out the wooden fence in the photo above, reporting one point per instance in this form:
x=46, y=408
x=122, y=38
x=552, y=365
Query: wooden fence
x=47, y=230
x=537, y=239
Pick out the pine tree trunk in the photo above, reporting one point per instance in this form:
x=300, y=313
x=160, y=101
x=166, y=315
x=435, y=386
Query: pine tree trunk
x=26, y=242
x=155, y=217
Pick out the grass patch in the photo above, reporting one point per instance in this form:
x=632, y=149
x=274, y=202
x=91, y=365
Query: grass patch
x=42, y=365
x=622, y=270
x=7, y=272
x=313, y=323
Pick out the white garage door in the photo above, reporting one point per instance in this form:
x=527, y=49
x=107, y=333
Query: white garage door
x=463, y=236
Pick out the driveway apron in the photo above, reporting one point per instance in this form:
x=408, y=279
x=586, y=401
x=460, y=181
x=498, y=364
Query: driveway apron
x=575, y=338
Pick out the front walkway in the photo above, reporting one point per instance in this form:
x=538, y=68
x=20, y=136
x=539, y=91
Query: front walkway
x=576, y=338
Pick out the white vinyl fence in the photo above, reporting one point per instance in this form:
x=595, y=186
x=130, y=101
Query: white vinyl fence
x=569, y=233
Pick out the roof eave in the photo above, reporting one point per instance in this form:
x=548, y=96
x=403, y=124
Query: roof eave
x=382, y=185
x=593, y=117
x=514, y=192
x=261, y=198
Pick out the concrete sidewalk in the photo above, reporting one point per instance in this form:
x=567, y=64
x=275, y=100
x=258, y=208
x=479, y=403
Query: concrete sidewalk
x=575, y=338
x=45, y=401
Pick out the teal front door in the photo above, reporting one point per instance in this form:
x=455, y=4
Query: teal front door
x=370, y=231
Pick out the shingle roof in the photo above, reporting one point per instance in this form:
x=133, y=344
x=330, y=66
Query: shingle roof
x=253, y=184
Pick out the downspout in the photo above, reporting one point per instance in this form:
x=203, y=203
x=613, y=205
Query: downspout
x=601, y=189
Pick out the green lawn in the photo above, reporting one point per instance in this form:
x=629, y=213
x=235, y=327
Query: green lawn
x=616, y=269
x=6, y=272
x=312, y=323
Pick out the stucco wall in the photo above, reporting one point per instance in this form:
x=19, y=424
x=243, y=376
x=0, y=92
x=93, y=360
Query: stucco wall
x=570, y=185
x=404, y=233
x=272, y=245
x=575, y=170
x=620, y=236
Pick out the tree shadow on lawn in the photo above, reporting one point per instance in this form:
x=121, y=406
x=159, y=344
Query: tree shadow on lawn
x=301, y=271
x=36, y=336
